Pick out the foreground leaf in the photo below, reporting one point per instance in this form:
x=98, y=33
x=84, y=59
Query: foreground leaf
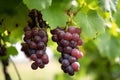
x=90, y=23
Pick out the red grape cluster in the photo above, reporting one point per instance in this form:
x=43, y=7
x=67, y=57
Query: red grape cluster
x=36, y=39
x=68, y=42
x=35, y=46
x=2, y=50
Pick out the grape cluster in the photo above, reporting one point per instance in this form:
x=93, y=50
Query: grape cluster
x=36, y=39
x=35, y=46
x=68, y=42
x=2, y=50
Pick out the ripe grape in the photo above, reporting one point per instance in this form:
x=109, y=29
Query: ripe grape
x=75, y=66
x=39, y=53
x=40, y=45
x=68, y=36
x=65, y=62
x=33, y=57
x=45, y=59
x=32, y=45
x=34, y=66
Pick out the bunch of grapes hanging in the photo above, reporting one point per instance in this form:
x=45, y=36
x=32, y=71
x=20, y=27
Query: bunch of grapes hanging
x=36, y=38
x=68, y=42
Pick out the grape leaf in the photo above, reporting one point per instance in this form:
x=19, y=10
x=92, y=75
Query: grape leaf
x=37, y=4
x=118, y=18
x=108, y=5
x=55, y=15
x=8, y=6
x=108, y=46
x=12, y=51
x=90, y=23
x=15, y=23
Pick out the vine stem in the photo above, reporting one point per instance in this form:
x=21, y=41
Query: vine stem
x=5, y=64
x=36, y=19
x=72, y=15
x=19, y=77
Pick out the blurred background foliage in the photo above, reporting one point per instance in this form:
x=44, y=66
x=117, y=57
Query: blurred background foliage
x=98, y=19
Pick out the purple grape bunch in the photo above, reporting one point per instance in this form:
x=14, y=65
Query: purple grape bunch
x=35, y=46
x=68, y=42
x=35, y=40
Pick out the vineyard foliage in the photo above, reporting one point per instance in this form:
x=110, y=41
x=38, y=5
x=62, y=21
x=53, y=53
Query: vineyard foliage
x=98, y=19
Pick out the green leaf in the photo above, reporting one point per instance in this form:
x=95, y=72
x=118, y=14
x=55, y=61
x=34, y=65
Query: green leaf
x=55, y=15
x=118, y=18
x=12, y=51
x=15, y=23
x=108, y=5
x=108, y=46
x=8, y=6
x=90, y=23
x=37, y=4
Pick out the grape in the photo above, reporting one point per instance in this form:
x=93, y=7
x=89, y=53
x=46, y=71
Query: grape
x=76, y=53
x=64, y=43
x=45, y=59
x=61, y=34
x=72, y=59
x=39, y=61
x=41, y=66
x=37, y=39
x=80, y=55
x=27, y=29
x=71, y=29
x=42, y=34
x=63, y=68
x=79, y=42
x=60, y=59
x=68, y=42
x=34, y=66
x=40, y=45
x=75, y=66
x=39, y=53
x=28, y=34
x=68, y=36
x=78, y=30
x=55, y=38
x=45, y=40
x=67, y=49
x=70, y=70
x=32, y=45
x=65, y=63
x=65, y=56
x=59, y=48
x=33, y=57
x=75, y=37
x=73, y=44
x=35, y=31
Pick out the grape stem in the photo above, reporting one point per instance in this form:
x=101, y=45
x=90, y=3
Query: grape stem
x=71, y=16
x=36, y=19
x=75, y=13
x=19, y=77
x=5, y=64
